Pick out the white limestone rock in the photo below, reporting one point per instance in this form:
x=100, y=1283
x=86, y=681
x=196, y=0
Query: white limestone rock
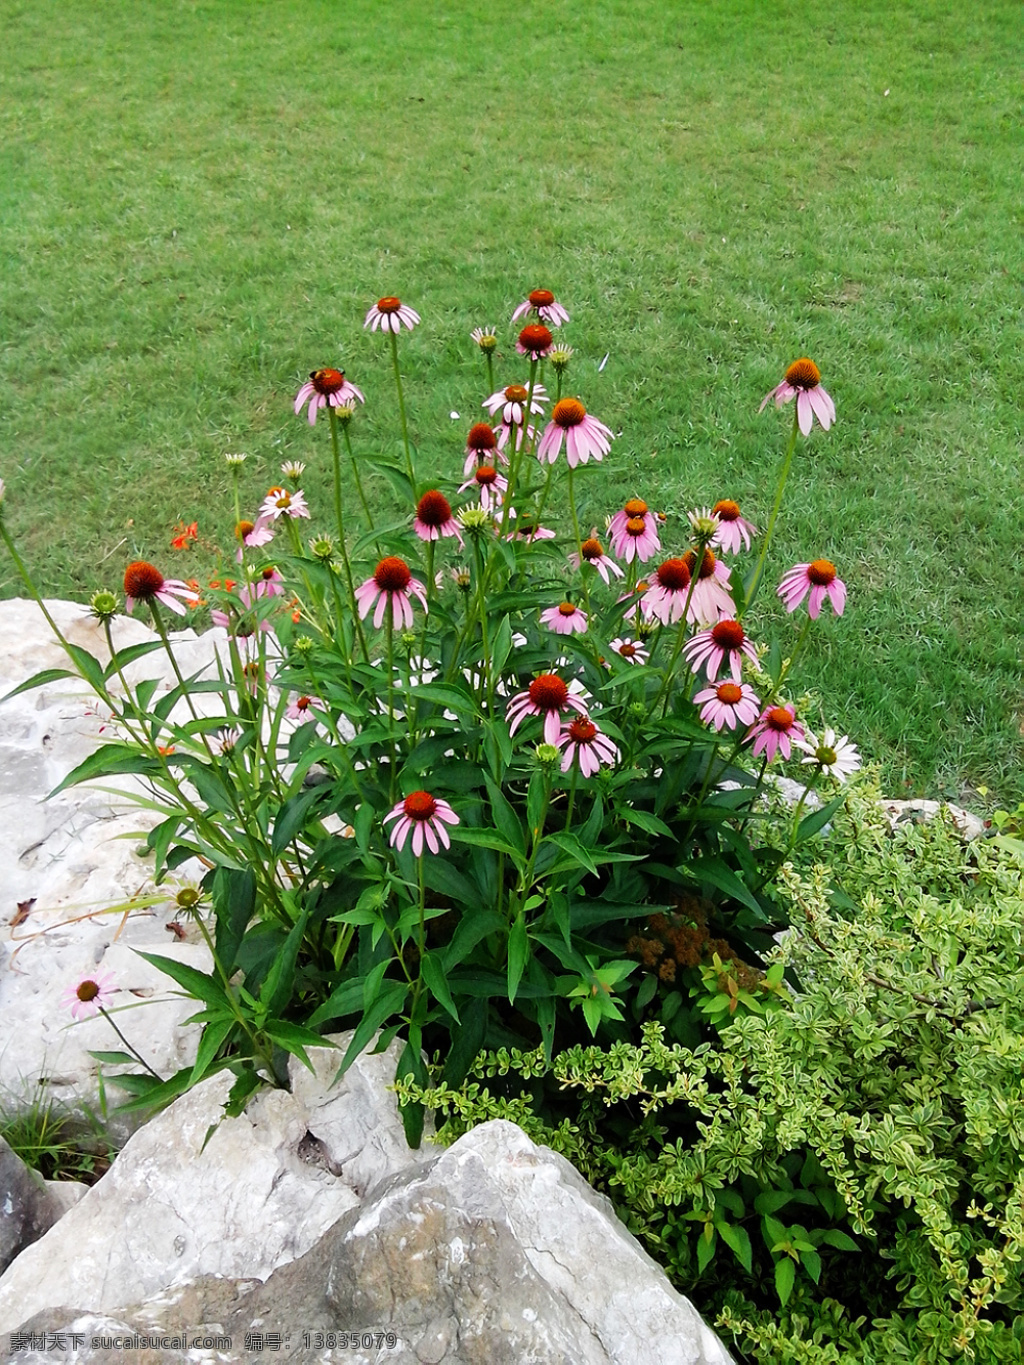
x=264, y=1189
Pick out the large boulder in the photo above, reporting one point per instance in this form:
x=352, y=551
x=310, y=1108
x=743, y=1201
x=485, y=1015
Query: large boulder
x=495, y=1252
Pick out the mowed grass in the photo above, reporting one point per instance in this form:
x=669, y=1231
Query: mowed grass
x=199, y=201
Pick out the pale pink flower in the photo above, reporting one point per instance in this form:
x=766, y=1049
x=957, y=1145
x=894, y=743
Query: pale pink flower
x=391, y=315
x=819, y=579
x=709, y=599
x=490, y=484
x=565, y=619
x=326, y=389
x=803, y=382
x=528, y=530
x=392, y=585
x=668, y=593
x=584, y=435
x=592, y=553
x=776, y=727
x=145, y=583
x=534, y=340
x=836, y=757
x=733, y=531
x=633, y=651
x=728, y=703
x=267, y=582
x=302, y=708
x=586, y=746
x=89, y=995
x=547, y=696
x=726, y=640
x=258, y=534
x=634, y=532
x=481, y=445
x=280, y=503
x=512, y=402
x=426, y=816
x=508, y=433
x=434, y=518
x=545, y=305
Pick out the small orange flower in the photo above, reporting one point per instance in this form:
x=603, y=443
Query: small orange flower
x=184, y=535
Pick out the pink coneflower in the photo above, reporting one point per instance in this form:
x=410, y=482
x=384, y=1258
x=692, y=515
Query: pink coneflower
x=512, y=402
x=711, y=598
x=434, y=518
x=326, y=389
x=667, y=594
x=426, y=816
x=528, y=530
x=391, y=315
x=592, y=553
x=586, y=746
x=819, y=579
x=513, y=433
x=535, y=341
x=545, y=305
x=776, y=727
x=733, y=531
x=634, y=532
x=726, y=640
x=584, y=435
x=481, y=443
x=728, y=704
x=267, y=582
x=394, y=586
x=633, y=651
x=803, y=382
x=88, y=996
x=252, y=535
x=565, y=619
x=145, y=583
x=302, y=708
x=491, y=486
x=280, y=503
x=547, y=696
x=486, y=338
x=836, y=757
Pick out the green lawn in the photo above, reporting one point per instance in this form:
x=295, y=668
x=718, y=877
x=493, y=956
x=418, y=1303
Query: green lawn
x=199, y=201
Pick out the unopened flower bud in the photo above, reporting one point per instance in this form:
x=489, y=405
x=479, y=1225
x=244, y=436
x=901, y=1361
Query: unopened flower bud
x=546, y=755
x=292, y=469
x=474, y=520
x=559, y=358
x=303, y=644
x=236, y=461
x=103, y=605
x=322, y=547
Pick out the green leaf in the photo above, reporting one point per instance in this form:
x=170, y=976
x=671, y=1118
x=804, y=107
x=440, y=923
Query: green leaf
x=276, y=990
x=811, y=1262
x=785, y=1277
x=433, y=969
x=839, y=1240
x=501, y=646
x=295, y=1039
x=467, y=1041
x=195, y=983
x=47, y=675
x=293, y=815
x=389, y=1002
x=518, y=953
x=474, y=926
x=484, y=838
x=444, y=694
x=715, y=872
x=344, y=1000
x=536, y=804
x=643, y=819
x=214, y=1036
x=88, y=666
x=770, y=1201
x=505, y=818
x=108, y=761
x=410, y=1063
x=705, y=1247
x=115, y=1058
x=497, y=746
x=234, y=901
x=817, y=819
x=738, y=1240
x=246, y=1081
x=568, y=843
x=157, y=1094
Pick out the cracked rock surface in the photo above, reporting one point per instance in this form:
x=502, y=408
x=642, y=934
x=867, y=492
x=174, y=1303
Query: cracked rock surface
x=494, y=1252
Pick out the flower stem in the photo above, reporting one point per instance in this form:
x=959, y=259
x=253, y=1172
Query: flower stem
x=401, y=412
x=759, y=569
x=134, y=1051
x=359, y=483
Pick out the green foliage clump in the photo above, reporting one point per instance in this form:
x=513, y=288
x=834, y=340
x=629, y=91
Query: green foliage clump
x=838, y=1175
